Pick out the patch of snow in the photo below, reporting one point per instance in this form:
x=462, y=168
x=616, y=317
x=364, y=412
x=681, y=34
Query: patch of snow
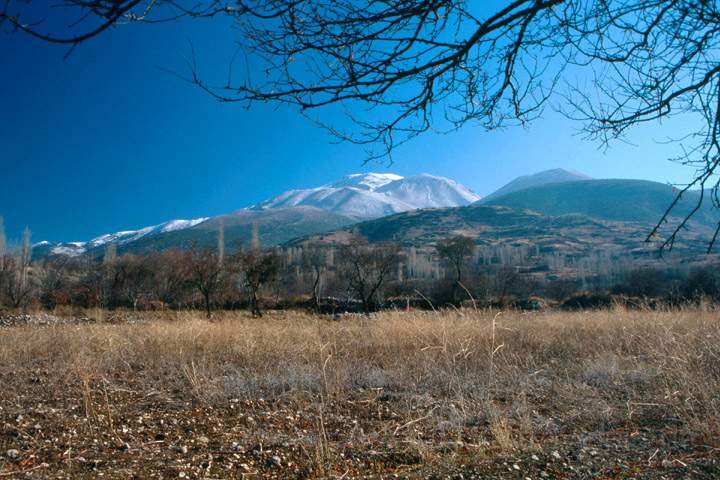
x=68, y=250
x=366, y=181
x=74, y=249
x=173, y=225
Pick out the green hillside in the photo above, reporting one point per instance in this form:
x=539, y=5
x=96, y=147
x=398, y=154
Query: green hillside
x=616, y=200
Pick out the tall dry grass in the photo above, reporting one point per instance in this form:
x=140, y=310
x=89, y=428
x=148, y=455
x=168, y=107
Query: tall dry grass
x=526, y=376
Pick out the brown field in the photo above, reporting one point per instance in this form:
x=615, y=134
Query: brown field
x=452, y=394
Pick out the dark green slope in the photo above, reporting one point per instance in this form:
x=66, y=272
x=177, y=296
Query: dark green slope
x=617, y=200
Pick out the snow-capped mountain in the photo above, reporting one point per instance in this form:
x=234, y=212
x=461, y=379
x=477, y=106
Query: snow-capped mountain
x=292, y=214
x=429, y=191
x=74, y=249
x=373, y=195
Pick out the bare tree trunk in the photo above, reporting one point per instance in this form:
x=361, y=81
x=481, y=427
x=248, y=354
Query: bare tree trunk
x=315, y=301
x=254, y=305
x=208, y=310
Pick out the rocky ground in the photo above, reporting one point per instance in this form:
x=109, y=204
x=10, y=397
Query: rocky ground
x=56, y=425
x=121, y=434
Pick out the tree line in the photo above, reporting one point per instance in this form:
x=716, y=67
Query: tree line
x=356, y=275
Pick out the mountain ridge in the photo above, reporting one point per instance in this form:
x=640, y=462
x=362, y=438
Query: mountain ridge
x=391, y=203
x=334, y=205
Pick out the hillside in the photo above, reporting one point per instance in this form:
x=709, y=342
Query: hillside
x=615, y=200
x=569, y=234
x=556, y=175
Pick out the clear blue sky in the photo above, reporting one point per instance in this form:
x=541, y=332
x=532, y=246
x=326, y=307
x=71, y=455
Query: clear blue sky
x=107, y=140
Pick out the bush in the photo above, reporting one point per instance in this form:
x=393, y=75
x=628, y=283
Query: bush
x=702, y=282
x=587, y=301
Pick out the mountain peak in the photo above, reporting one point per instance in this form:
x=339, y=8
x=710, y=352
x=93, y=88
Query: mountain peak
x=366, y=181
x=372, y=195
x=554, y=175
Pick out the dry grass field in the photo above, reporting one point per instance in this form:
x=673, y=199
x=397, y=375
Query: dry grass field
x=451, y=394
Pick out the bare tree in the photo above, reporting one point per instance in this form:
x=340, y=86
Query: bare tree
x=314, y=259
x=53, y=282
x=401, y=67
x=15, y=275
x=456, y=250
x=257, y=268
x=136, y=279
x=509, y=282
x=366, y=268
x=205, y=273
x=170, y=276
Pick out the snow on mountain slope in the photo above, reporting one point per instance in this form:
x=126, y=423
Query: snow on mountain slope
x=366, y=181
x=429, y=191
x=373, y=195
x=132, y=235
x=355, y=197
x=74, y=249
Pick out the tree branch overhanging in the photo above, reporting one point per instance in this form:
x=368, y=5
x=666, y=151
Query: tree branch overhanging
x=400, y=68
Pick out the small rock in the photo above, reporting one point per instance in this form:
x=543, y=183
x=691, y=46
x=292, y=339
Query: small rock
x=556, y=455
x=275, y=461
x=516, y=466
x=182, y=449
x=12, y=454
x=535, y=457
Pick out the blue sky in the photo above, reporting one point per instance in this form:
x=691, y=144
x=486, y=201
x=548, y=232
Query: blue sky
x=107, y=140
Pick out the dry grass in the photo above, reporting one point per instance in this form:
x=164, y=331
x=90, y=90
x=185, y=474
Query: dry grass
x=503, y=383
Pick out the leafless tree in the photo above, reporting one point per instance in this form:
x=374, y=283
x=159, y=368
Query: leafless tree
x=257, y=268
x=366, y=267
x=314, y=260
x=15, y=275
x=170, y=276
x=509, y=282
x=456, y=250
x=53, y=282
x=16, y=288
x=205, y=273
x=135, y=279
x=402, y=67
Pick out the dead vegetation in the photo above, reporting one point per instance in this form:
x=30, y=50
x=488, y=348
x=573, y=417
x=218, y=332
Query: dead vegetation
x=481, y=394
